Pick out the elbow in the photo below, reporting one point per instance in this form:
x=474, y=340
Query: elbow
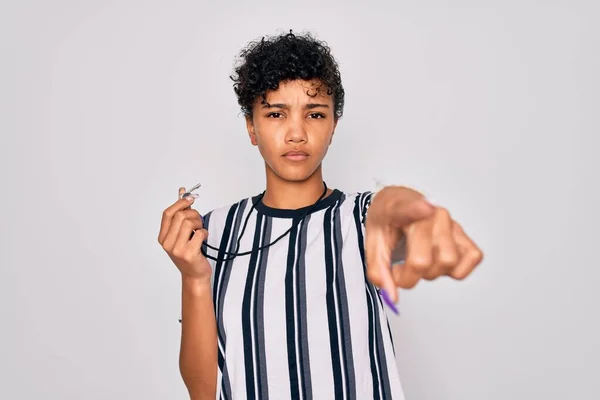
x=202, y=396
x=197, y=387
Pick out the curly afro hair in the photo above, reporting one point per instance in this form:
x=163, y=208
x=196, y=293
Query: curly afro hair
x=267, y=62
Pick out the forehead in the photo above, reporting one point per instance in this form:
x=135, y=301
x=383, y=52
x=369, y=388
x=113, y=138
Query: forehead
x=299, y=91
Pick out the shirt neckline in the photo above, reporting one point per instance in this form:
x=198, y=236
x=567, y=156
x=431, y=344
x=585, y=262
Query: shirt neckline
x=299, y=212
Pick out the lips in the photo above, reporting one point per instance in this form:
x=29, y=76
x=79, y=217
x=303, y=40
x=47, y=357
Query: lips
x=296, y=155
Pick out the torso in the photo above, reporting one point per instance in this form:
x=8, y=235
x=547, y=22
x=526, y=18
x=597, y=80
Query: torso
x=299, y=319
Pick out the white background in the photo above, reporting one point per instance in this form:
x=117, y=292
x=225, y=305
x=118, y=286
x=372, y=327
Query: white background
x=488, y=107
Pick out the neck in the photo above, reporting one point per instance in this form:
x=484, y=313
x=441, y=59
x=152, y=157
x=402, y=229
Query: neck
x=291, y=195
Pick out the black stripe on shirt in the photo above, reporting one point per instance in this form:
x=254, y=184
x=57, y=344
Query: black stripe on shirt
x=247, y=324
x=379, y=372
x=290, y=312
x=336, y=363
x=259, y=319
x=343, y=312
x=339, y=340
x=222, y=273
x=302, y=329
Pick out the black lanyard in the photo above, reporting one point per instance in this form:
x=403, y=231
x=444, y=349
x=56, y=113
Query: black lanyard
x=236, y=253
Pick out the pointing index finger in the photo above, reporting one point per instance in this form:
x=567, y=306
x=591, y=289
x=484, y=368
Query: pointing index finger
x=400, y=206
x=406, y=212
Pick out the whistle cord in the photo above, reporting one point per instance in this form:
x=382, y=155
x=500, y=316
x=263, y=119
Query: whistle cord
x=237, y=253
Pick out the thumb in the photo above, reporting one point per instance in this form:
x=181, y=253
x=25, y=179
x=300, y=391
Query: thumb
x=379, y=272
x=182, y=191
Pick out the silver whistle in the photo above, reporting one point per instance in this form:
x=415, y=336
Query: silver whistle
x=189, y=192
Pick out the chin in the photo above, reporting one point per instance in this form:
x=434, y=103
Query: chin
x=294, y=174
x=294, y=177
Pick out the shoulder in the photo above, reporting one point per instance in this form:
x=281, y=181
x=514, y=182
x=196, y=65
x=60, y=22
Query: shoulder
x=358, y=198
x=217, y=218
x=357, y=203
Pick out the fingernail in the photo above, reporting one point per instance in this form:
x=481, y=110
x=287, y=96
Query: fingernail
x=388, y=301
x=190, y=197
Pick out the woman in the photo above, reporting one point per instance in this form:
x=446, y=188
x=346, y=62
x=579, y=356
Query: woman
x=281, y=292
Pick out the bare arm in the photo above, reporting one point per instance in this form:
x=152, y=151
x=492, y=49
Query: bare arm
x=181, y=235
x=198, y=352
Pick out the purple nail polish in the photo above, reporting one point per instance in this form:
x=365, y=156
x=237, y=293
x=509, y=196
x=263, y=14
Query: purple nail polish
x=388, y=301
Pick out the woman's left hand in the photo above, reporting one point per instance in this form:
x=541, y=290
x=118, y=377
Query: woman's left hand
x=436, y=245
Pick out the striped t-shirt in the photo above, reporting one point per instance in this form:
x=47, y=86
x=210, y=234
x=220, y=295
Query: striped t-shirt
x=299, y=319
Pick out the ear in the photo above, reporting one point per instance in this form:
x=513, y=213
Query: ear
x=251, y=130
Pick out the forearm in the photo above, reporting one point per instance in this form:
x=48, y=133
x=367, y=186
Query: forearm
x=198, y=352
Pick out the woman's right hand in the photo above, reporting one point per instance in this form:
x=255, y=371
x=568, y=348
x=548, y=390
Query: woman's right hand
x=178, y=223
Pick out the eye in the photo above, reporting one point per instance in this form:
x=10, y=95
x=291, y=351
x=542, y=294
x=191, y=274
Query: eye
x=317, y=115
x=274, y=115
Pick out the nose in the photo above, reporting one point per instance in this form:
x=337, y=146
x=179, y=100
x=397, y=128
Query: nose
x=296, y=131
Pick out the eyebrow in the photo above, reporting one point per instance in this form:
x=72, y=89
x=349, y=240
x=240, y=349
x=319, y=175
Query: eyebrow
x=309, y=106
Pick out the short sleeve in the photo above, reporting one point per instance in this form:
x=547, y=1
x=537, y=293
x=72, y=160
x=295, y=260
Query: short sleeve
x=365, y=199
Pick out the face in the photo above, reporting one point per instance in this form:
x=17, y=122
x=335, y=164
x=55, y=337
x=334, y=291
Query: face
x=293, y=130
